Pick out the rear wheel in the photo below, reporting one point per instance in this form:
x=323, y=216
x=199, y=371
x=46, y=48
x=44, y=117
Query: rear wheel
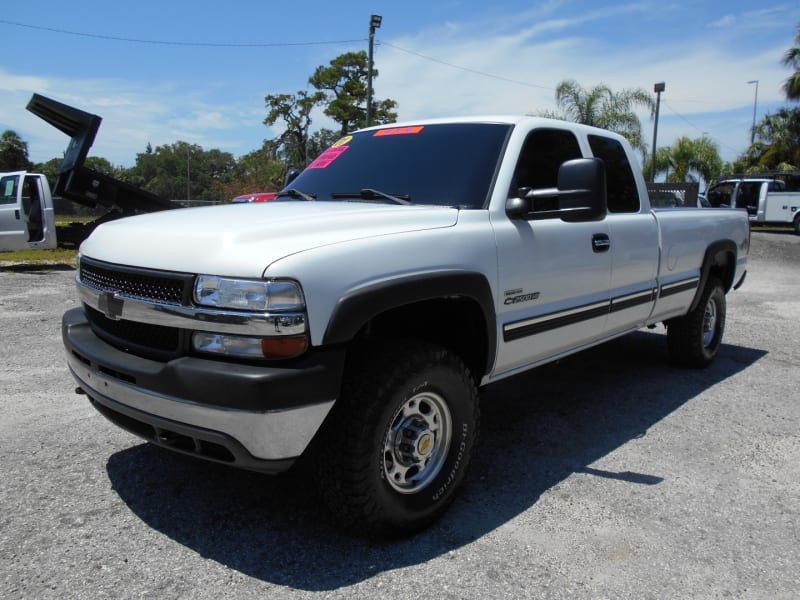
x=694, y=340
x=397, y=443
x=797, y=225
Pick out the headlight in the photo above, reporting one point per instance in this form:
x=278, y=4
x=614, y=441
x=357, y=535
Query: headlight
x=248, y=294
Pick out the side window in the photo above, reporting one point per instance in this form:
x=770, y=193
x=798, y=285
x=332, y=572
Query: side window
x=776, y=185
x=748, y=194
x=543, y=153
x=8, y=189
x=623, y=197
x=720, y=194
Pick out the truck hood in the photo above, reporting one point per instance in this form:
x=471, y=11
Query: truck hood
x=242, y=240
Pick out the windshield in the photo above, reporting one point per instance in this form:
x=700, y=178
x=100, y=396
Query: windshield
x=446, y=165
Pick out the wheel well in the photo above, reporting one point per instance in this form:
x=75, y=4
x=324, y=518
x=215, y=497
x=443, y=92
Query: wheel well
x=457, y=324
x=723, y=268
x=719, y=262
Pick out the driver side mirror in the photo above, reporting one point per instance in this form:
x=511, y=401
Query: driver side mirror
x=579, y=197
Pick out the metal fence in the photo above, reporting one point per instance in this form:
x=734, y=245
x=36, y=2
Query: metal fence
x=686, y=193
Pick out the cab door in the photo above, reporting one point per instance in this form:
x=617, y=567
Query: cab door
x=13, y=230
x=633, y=242
x=553, y=276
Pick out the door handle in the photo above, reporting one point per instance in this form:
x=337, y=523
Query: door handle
x=600, y=242
x=16, y=214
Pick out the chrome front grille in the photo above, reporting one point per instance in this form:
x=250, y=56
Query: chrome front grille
x=169, y=288
x=150, y=313
x=143, y=339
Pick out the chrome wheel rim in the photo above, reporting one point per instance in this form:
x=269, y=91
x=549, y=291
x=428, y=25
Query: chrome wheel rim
x=416, y=443
x=709, y=323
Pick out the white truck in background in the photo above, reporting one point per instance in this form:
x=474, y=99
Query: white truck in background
x=27, y=216
x=27, y=219
x=766, y=200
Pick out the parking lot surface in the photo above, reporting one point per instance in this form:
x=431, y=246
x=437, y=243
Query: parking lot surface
x=611, y=474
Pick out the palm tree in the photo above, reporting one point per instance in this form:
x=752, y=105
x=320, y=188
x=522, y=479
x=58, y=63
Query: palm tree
x=13, y=152
x=601, y=107
x=688, y=160
x=778, y=139
x=791, y=87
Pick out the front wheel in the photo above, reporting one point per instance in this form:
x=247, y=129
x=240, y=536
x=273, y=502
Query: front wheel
x=694, y=340
x=397, y=443
x=797, y=225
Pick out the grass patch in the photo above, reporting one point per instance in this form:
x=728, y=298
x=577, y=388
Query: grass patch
x=68, y=219
x=59, y=256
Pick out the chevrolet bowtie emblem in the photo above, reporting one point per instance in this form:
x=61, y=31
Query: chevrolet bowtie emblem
x=110, y=304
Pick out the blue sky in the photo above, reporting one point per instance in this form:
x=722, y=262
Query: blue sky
x=200, y=70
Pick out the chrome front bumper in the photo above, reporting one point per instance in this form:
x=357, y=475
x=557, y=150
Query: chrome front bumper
x=260, y=414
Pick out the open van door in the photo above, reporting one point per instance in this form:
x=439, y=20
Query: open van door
x=26, y=212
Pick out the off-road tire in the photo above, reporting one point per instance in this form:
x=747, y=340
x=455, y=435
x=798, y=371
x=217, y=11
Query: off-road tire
x=694, y=340
x=413, y=395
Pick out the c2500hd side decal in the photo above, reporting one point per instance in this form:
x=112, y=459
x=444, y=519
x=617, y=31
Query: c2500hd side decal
x=516, y=297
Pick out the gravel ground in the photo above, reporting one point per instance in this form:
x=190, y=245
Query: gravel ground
x=608, y=475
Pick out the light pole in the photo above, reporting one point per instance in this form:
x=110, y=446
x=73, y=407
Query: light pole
x=659, y=87
x=374, y=23
x=755, y=104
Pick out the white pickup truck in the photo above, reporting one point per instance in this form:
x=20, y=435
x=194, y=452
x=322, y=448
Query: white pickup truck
x=353, y=319
x=766, y=200
x=27, y=219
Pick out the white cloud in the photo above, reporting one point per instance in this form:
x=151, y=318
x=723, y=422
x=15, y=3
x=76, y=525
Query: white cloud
x=725, y=21
x=134, y=114
x=508, y=65
x=704, y=76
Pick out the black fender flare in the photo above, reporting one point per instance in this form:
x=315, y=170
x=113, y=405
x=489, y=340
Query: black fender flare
x=716, y=254
x=361, y=305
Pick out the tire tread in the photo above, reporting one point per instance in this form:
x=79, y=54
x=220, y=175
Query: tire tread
x=685, y=334
x=344, y=478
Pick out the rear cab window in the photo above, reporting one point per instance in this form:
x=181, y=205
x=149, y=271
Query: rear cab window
x=776, y=185
x=623, y=195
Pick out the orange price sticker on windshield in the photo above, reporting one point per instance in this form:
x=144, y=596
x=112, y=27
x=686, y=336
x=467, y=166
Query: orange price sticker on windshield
x=399, y=131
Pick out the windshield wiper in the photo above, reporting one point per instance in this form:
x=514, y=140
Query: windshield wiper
x=371, y=194
x=293, y=193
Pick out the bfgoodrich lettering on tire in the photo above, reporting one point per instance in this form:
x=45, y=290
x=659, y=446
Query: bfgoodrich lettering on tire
x=694, y=340
x=397, y=443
